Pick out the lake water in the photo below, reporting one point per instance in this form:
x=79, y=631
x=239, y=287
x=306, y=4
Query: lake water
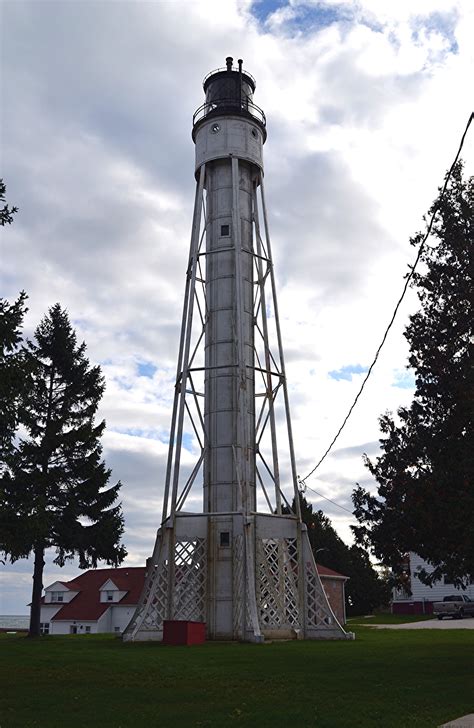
x=14, y=621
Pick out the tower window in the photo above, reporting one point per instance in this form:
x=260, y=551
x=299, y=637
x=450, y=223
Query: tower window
x=225, y=538
x=225, y=231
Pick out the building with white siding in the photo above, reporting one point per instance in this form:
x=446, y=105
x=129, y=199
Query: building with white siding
x=100, y=600
x=104, y=600
x=422, y=597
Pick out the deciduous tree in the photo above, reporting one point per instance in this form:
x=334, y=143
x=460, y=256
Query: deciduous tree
x=425, y=494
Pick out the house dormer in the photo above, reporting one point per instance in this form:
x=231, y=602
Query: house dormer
x=58, y=593
x=110, y=593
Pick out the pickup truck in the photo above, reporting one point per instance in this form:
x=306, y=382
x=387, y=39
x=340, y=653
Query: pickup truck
x=455, y=606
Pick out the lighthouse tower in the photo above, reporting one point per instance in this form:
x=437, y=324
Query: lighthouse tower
x=229, y=551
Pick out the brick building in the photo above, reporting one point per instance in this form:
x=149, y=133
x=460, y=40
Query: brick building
x=334, y=586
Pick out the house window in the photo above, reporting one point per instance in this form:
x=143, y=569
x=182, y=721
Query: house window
x=57, y=596
x=44, y=627
x=225, y=231
x=116, y=629
x=87, y=629
x=109, y=596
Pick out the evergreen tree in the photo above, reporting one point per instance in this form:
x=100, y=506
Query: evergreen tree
x=54, y=489
x=425, y=497
x=12, y=371
x=6, y=213
x=11, y=354
x=365, y=590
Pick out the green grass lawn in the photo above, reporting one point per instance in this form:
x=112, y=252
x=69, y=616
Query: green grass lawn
x=384, y=678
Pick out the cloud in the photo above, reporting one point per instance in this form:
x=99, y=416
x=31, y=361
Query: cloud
x=364, y=110
x=368, y=448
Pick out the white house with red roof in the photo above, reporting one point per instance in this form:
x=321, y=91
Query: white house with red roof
x=100, y=600
x=104, y=600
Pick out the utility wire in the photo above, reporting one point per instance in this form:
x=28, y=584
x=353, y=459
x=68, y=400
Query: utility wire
x=408, y=278
x=306, y=486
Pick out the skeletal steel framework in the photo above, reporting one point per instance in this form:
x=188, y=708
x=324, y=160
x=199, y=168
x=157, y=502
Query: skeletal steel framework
x=248, y=574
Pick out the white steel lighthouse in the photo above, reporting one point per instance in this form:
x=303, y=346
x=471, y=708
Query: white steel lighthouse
x=241, y=562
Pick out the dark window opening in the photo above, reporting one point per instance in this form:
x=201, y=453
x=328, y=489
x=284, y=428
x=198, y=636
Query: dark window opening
x=225, y=538
x=225, y=231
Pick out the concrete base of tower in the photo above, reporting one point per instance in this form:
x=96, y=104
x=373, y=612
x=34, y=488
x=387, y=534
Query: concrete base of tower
x=269, y=636
x=272, y=587
x=329, y=634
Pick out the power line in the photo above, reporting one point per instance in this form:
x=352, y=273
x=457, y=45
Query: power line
x=405, y=287
x=308, y=487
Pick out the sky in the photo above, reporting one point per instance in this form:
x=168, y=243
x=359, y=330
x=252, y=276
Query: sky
x=365, y=102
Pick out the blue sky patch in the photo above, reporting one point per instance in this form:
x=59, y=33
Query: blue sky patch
x=139, y=432
x=188, y=442
x=347, y=372
x=124, y=383
x=261, y=9
x=443, y=23
x=305, y=17
x=404, y=380
x=146, y=369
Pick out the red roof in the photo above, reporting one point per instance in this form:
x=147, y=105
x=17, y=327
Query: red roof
x=324, y=571
x=86, y=605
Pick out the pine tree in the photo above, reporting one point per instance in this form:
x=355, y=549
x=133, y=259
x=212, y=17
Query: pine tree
x=54, y=491
x=425, y=497
x=12, y=371
x=11, y=354
x=6, y=212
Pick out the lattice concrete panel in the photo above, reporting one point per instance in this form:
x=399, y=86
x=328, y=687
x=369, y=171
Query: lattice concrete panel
x=318, y=612
x=190, y=578
x=151, y=610
x=277, y=583
x=155, y=608
x=238, y=586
